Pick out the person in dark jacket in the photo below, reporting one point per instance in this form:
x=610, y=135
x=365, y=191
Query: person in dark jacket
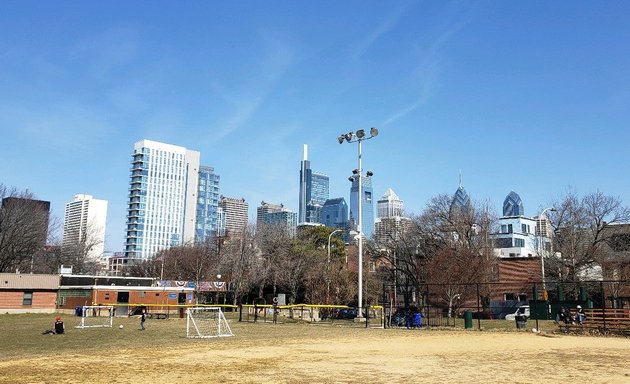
x=142, y=319
x=59, y=327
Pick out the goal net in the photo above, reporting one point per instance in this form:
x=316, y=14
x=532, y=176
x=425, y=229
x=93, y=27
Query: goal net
x=204, y=322
x=94, y=316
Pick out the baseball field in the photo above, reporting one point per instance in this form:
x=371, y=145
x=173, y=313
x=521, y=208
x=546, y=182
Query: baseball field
x=301, y=353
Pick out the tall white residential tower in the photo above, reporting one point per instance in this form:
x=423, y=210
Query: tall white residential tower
x=84, y=226
x=162, y=200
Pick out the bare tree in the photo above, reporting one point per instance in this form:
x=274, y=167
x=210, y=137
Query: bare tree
x=81, y=247
x=239, y=256
x=580, y=234
x=23, y=229
x=275, y=246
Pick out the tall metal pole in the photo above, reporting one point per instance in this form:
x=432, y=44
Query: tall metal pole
x=542, y=247
x=360, y=230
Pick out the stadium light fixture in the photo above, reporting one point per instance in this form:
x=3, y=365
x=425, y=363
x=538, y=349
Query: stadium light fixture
x=358, y=137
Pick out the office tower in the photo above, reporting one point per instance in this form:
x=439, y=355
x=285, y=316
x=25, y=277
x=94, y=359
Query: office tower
x=513, y=205
x=367, y=219
x=314, y=191
x=461, y=201
x=235, y=215
x=389, y=205
x=285, y=219
x=335, y=213
x=390, y=225
x=207, y=224
x=266, y=208
x=162, y=198
x=84, y=227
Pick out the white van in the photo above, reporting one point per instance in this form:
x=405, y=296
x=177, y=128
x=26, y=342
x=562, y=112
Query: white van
x=522, y=310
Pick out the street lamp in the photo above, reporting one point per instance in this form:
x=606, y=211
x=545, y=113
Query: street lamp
x=328, y=267
x=542, y=248
x=358, y=137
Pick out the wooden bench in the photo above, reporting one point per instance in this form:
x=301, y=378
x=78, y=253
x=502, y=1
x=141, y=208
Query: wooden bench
x=599, y=320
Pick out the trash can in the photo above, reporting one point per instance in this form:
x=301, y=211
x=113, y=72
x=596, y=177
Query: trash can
x=521, y=321
x=468, y=319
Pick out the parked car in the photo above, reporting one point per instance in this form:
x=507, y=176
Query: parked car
x=344, y=313
x=523, y=310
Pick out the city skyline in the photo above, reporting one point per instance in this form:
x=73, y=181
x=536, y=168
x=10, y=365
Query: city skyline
x=531, y=98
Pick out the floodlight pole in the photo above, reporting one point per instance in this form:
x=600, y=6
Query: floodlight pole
x=360, y=230
x=358, y=137
x=542, y=247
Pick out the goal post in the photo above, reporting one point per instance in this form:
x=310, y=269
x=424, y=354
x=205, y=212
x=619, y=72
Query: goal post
x=206, y=322
x=96, y=316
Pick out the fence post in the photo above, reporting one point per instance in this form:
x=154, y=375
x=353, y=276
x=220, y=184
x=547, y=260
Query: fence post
x=536, y=304
x=478, y=309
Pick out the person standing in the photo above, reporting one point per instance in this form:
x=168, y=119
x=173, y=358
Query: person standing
x=142, y=319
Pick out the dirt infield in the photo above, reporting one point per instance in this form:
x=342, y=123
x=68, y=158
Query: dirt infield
x=302, y=353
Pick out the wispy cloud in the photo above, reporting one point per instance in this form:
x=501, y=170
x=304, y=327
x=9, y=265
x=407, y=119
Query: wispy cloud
x=277, y=59
x=385, y=26
x=427, y=72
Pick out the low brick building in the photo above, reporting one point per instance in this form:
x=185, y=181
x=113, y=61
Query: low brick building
x=22, y=293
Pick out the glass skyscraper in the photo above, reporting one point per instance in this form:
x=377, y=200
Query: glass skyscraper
x=161, y=210
x=314, y=191
x=207, y=223
x=335, y=213
x=367, y=219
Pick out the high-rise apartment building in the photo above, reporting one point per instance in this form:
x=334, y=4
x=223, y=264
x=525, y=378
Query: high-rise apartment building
x=207, y=224
x=84, y=226
x=234, y=212
x=367, y=206
x=162, y=200
x=285, y=219
x=265, y=208
x=314, y=191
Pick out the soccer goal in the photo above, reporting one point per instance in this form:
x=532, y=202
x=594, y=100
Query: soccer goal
x=96, y=316
x=205, y=322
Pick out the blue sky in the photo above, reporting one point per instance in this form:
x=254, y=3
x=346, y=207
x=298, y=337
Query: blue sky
x=526, y=96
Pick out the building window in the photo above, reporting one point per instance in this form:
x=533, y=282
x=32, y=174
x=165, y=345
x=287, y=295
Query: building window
x=509, y=228
x=509, y=296
x=519, y=243
x=28, y=298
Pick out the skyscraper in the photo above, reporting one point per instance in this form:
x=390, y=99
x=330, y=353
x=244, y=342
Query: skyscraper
x=162, y=204
x=389, y=205
x=207, y=223
x=391, y=224
x=367, y=206
x=234, y=212
x=265, y=208
x=84, y=226
x=314, y=191
x=513, y=205
x=335, y=213
x=285, y=219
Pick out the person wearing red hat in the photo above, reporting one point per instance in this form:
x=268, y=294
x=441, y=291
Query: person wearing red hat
x=59, y=327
